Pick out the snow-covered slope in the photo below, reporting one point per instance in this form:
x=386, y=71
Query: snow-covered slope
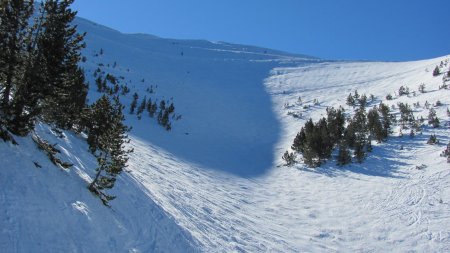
x=214, y=183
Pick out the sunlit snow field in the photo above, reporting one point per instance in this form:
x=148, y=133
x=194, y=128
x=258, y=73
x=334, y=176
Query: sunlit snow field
x=215, y=182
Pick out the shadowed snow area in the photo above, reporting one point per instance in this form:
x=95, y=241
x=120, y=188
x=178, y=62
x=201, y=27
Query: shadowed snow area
x=213, y=183
x=228, y=122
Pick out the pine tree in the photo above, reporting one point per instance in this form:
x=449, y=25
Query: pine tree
x=141, y=107
x=162, y=105
x=289, y=158
x=432, y=140
x=134, y=103
x=15, y=57
x=165, y=120
x=107, y=135
x=171, y=108
x=359, y=152
x=60, y=46
x=387, y=119
x=299, y=140
x=350, y=100
x=422, y=88
x=335, y=124
x=374, y=125
x=403, y=90
x=363, y=101
x=436, y=71
x=343, y=157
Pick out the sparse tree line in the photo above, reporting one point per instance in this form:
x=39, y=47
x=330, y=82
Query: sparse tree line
x=163, y=111
x=40, y=80
x=352, y=136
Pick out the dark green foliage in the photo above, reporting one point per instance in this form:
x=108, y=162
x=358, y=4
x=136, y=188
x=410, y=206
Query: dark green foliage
x=388, y=97
x=343, y=157
x=432, y=140
x=403, y=91
x=363, y=101
x=316, y=140
x=59, y=52
x=101, y=84
x=289, y=158
x=142, y=106
x=151, y=108
x=433, y=119
x=406, y=115
x=335, y=123
x=171, y=108
x=356, y=96
x=134, y=103
x=359, y=152
x=375, y=125
x=112, y=79
x=162, y=105
x=359, y=128
x=350, y=100
x=422, y=88
x=17, y=110
x=107, y=138
x=369, y=147
x=6, y=136
x=39, y=73
x=163, y=119
x=387, y=119
x=436, y=71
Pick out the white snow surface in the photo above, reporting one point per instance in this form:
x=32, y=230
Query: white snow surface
x=214, y=183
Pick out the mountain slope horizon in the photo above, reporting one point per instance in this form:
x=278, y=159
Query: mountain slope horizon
x=216, y=180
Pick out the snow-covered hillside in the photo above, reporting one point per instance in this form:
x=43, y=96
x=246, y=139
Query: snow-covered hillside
x=214, y=182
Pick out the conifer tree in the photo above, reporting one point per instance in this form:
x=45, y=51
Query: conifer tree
x=374, y=125
x=362, y=100
x=59, y=46
x=15, y=54
x=350, y=100
x=335, y=123
x=289, y=158
x=343, y=157
x=134, y=103
x=107, y=135
x=141, y=107
x=387, y=119
x=436, y=71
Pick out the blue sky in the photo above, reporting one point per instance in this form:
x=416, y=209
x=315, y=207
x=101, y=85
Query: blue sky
x=392, y=30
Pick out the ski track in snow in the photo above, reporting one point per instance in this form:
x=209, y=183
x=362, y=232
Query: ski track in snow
x=291, y=210
x=188, y=190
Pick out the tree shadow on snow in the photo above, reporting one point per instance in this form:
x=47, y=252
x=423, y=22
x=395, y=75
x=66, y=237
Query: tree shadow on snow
x=386, y=160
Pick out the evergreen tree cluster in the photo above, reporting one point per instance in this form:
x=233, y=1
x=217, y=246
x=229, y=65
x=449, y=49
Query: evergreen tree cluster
x=39, y=73
x=109, y=84
x=316, y=141
x=40, y=80
x=403, y=90
x=356, y=99
x=433, y=120
x=163, y=112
